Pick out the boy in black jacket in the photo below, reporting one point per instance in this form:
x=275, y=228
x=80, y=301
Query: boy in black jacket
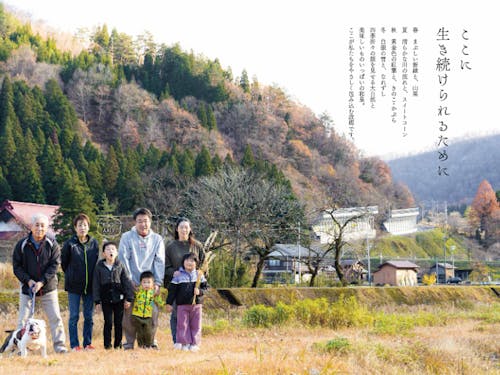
x=113, y=291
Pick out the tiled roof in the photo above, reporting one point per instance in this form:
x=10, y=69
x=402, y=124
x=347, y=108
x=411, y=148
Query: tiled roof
x=400, y=264
x=22, y=212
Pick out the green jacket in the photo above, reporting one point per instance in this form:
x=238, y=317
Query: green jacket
x=144, y=301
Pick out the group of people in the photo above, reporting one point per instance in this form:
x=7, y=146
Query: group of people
x=124, y=283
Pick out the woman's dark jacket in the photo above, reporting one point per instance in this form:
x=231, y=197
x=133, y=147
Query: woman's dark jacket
x=78, y=263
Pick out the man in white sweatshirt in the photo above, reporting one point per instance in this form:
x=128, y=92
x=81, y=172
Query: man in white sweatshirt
x=141, y=250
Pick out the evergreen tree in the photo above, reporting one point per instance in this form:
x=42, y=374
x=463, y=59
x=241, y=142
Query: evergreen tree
x=59, y=106
x=94, y=180
x=216, y=162
x=173, y=165
x=24, y=105
x=130, y=191
x=91, y=153
x=75, y=197
x=228, y=161
x=244, y=81
x=51, y=162
x=212, y=122
x=202, y=114
x=110, y=173
x=65, y=141
x=248, y=160
x=152, y=157
x=105, y=207
x=186, y=164
x=76, y=154
x=24, y=175
x=203, y=163
x=8, y=122
x=5, y=190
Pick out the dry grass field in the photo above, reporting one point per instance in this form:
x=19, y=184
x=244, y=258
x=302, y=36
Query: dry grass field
x=467, y=344
x=460, y=335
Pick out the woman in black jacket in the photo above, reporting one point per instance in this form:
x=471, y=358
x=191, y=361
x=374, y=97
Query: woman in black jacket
x=78, y=259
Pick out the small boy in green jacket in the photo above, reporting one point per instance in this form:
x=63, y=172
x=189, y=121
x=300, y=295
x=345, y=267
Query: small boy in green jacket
x=142, y=312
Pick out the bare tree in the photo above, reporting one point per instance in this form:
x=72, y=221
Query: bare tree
x=249, y=212
x=274, y=214
x=338, y=234
x=315, y=260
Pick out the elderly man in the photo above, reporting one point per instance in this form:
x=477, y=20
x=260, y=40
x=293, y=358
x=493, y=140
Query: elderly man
x=35, y=261
x=141, y=250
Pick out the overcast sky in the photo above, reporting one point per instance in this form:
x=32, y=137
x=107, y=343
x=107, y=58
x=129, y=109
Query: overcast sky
x=302, y=46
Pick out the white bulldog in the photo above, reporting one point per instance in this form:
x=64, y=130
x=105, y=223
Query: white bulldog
x=31, y=337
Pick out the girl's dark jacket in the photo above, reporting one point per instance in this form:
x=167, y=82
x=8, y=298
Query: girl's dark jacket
x=111, y=286
x=78, y=263
x=181, y=288
x=38, y=265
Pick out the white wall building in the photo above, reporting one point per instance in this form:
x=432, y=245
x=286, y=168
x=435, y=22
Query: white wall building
x=361, y=228
x=402, y=221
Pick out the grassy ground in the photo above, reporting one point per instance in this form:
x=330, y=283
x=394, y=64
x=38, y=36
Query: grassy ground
x=419, y=330
x=465, y=342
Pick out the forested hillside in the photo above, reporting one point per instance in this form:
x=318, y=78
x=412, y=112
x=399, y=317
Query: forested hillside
x=470, y=162
x=127, y=122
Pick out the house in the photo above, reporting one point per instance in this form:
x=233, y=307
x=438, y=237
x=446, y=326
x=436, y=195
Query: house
x=285, y=263
x=444, y=271
x=397, y=273
x=361, y=228
x=402, y=221
x=15, y=217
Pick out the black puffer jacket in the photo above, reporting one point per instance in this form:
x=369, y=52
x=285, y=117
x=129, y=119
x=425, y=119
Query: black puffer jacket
x=78, y=263
x=38, y=265
x=111, y=286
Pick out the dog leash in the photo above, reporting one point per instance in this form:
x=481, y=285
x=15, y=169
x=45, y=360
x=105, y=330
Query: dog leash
x=33, y=295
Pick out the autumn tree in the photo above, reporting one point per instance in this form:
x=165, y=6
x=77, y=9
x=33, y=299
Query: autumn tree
x=484, y=207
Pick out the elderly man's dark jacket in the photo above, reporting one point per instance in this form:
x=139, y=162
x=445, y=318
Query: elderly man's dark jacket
x=38, y=265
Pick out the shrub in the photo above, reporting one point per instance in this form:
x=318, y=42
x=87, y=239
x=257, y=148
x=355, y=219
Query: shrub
x=346, y=312
x=337, y=345
x=283, y=313
x=400, y=324
x=218, y=326
x=259, y=316
x=312, y=312
x=429, y=279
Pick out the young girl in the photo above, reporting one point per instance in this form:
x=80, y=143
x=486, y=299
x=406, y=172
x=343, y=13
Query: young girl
x=113, y=292
x=183, y=291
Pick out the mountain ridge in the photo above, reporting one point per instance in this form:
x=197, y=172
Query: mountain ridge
x=470, y=161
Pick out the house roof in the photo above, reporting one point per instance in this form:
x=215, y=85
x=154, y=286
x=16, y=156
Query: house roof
x=290, y=250
x=445, y=265
x=400, y=264
x=22, y=212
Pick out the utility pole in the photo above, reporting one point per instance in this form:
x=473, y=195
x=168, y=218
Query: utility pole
x=298, y=250
x=368, y=251
x=444, y=239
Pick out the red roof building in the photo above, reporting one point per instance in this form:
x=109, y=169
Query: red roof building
x=15, y=217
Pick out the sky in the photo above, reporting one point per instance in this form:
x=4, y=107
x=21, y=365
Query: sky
x=302, y=46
